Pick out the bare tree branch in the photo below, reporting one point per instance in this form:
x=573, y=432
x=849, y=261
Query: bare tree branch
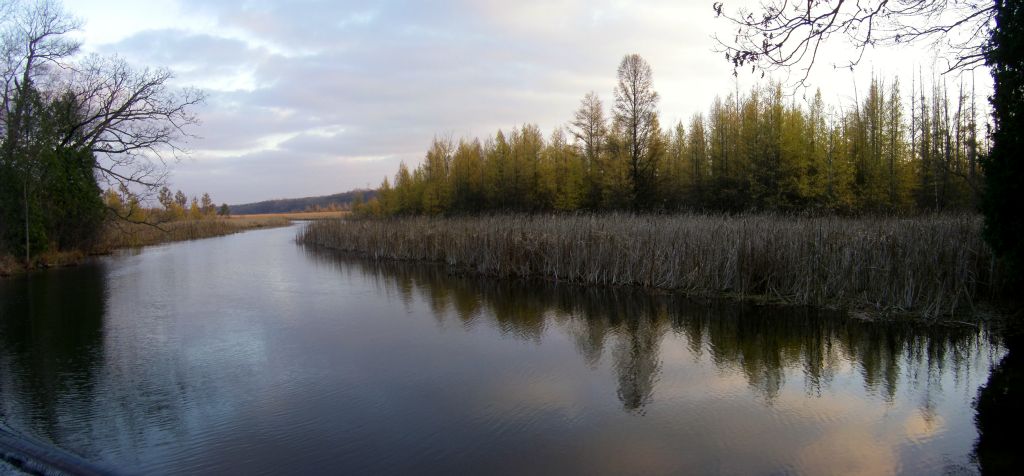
x=131, y=120
x=788, y=34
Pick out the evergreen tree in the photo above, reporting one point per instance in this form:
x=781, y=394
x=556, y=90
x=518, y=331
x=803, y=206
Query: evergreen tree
x=1004, y=167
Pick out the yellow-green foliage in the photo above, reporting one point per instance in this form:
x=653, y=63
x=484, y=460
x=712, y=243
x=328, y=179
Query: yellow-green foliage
x=759, y=151
x=928, y=265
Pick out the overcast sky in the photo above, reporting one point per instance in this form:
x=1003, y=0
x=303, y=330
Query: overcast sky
x=318, y=97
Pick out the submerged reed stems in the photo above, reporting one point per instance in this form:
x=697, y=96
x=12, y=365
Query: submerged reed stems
x=929, y=265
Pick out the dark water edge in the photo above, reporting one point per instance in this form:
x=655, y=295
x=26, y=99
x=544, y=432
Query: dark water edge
x=178, y=359
x=1000, y=409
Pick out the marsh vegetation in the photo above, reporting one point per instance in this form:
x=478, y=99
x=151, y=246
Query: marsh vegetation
x=129, y=224
x=927, y=265
x=868, y=206
x=130, y=235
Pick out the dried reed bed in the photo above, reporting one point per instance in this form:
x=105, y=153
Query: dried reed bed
x=294, y=215
x=128, y=235
x=8, y=265
x=121, y=234
x=929, y=265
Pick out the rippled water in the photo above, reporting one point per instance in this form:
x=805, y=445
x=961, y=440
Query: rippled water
x=251, y=354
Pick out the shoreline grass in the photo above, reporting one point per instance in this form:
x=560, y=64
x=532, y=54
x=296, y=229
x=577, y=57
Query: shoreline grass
x=928, y=266
x=294, y=215
x=133, y=235
x=9, y=265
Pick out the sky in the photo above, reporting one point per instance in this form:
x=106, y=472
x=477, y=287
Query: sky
x=318, y=97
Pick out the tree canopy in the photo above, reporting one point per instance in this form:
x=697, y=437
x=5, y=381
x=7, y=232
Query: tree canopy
x=756, y=151
x=71, y=125
x=1004, y=167
x=968, y=33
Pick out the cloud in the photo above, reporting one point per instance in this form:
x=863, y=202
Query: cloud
x=272, y=174
x=176, y=48
x=391, y=75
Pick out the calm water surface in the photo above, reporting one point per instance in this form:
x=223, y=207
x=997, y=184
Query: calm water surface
x=251, y=354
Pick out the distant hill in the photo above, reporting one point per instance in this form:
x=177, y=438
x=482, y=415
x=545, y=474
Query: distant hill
x=340, y=201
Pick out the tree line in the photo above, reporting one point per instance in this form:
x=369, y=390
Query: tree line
x=889, y=152
x=72, y=125
x=335, y=202
x=174, y=206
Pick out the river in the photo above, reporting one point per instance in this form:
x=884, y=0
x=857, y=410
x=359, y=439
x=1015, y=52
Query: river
x=251, y=354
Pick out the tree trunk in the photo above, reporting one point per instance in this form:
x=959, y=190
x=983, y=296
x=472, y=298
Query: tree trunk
x=28, y=254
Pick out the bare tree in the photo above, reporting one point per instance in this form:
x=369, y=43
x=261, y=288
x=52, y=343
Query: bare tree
x=128, y=122
x=33, y=43
x=790, y=34
x=130, y=118
x=589, y=127
x=636, y=118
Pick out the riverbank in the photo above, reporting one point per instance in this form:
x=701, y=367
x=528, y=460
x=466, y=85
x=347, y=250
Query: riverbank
x=132, y=235
x=118, y=235
x=300, y=216
x=929, y=266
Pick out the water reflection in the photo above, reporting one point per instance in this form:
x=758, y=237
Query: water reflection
x=762, y=343
x=1000, y=410
x=248, y=354
x=49, y=347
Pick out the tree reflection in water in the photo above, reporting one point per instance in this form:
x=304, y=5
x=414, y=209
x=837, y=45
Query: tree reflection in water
x=43, y=340
x=762, y=343
x=197, y=372
x=1000, y=410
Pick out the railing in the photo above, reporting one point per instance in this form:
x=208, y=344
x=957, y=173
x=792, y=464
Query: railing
x=36, y=457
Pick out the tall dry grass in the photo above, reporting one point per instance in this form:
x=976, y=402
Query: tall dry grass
x=929, y=265
x=128, y=235
x=8, y=265
x=123, y=234
x=295, y=215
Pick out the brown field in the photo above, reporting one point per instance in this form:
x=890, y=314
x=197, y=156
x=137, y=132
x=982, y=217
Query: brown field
x=927, y=266
x=120, y=234
x=294, y=216
x=129, y=235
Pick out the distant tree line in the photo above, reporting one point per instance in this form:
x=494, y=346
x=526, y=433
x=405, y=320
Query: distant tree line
x=338, y=201
x=174, y=206
x=71, y=125
x=753, y=151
